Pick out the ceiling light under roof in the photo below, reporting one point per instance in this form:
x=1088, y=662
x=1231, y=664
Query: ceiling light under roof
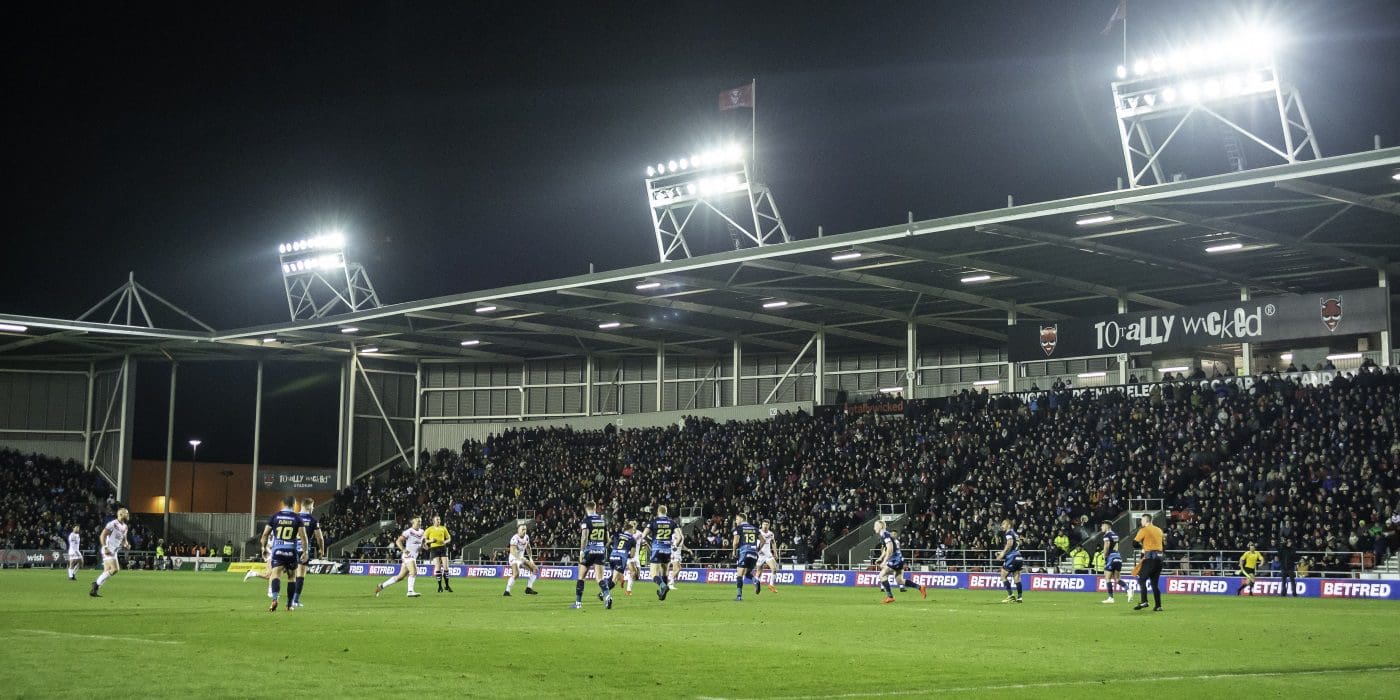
x=986, y=382
x=1224, y=247
x=976, y=278
x=485, y=309
x=847, y=255
x=778, y=304
x=1345, y=356
x=368, y=351
x=1095, y=219
x=1181, y=368
x=469, y=343
x=610, y=324
x=1092, y=375
x=649, y=285
x=13, y=328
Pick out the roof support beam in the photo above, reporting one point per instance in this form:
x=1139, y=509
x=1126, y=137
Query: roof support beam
x=1325, y=250
x=903, y=285
x=1133, y=256
x=477, y=319
x=708, y=309
x=1337, y=194
x=596, y=314
x=878, y=312
x=1022, y=273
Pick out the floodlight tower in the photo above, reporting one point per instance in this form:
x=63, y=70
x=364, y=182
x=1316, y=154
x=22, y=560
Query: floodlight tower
x=678, y=188
x=318, y=278
x=1159, y=94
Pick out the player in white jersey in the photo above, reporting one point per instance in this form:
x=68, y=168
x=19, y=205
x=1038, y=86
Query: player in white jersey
x=113, y=541
x=767, y=557
x=633, y=572
x=520, y=559
x=677, y=547
x=75, y=557
x=409, y=543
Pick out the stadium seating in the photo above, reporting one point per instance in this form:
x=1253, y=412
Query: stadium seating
x=41, y=498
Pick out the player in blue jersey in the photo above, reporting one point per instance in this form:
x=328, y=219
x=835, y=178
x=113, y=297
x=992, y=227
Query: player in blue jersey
x=744, y=547
x=592, y=554
x=1112, y=561
x=1011, y=561
x=285, y=537
x=891, y=564
x=658, y=536
x=624, y=547
x=314, y=535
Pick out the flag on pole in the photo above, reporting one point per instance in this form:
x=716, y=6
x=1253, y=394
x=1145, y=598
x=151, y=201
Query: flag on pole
x=736, y=98
x=1119, y=15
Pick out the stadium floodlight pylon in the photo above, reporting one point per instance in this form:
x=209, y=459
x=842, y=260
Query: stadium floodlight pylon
x=320, y=279
x=1155, y=96
x=677, y=189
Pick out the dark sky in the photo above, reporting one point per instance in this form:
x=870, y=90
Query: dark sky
x=470, y=145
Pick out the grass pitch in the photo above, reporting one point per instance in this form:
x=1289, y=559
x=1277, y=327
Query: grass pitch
x=209, y=634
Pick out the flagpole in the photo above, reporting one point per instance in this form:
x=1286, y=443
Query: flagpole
x=753, y=122
x=1125, y=33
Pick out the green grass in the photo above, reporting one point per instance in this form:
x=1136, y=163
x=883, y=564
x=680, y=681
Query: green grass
x=179, y=633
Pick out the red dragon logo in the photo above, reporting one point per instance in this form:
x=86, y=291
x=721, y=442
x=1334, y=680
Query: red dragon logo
x=1332, y=312
x=1049, y=336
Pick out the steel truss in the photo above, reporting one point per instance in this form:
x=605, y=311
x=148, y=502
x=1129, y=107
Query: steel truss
x=676, y=197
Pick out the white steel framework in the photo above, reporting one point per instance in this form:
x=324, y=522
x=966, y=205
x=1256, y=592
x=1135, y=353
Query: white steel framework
x=676, y=196
x=321, y=282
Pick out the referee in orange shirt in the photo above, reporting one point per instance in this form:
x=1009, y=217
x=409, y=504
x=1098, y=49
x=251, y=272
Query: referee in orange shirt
x=1149, y=538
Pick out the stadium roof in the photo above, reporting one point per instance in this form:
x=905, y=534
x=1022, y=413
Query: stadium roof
x=1309, y=226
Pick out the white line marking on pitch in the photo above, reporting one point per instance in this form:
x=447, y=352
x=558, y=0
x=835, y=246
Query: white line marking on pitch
x=101, y=636
x=1067, y=684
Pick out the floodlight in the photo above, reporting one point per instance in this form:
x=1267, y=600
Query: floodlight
x=651, y=171
x=1092, y=375
x=892, y=390
x=1224, y=247
x=671, y=167
x=649, y=285
x=848, y=255
x=1181, y=368
x=1122, y=72
x=282, y=248
x=1094, y=219
x=1234, y=84
x=735, y=153
x=349, y=329
x=610, y=324
x=690, y=188
x=1212, y=88
x=485, y=309
x=269, y=341
x=660, y=168
x=1159, y=64
x=1286, y=357
x=1140, y=67
x=1169, y=94
x=1345, y=356
x=976, y=278
x=368, y=351
x=13, y=328
x=1191, y=92
x=685, y=163
x=695, y=160
x=986, y=382
x=469, y=343
x=774, y=304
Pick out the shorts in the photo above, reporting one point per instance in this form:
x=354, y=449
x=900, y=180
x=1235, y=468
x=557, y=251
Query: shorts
x=1248, y=572
x=108, y=555
x=746, y=561
x=285, y=558
x=635, y=561
x=618, y=562
x=895, y=564
x=592, y=559
x=661, y=557
x=409, y=559
x=675, y=557
x=437, y=552
x=1113, y=565
x=1011, y=565
x=764, y=558
x=75, y=556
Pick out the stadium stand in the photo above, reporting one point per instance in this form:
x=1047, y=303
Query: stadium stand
x=41, y=498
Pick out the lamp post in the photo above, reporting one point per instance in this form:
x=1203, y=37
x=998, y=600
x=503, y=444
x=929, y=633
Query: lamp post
x=194, y=460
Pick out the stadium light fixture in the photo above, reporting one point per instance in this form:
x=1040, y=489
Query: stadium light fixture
x=13, y=328
x=845, y=255
x=194, y=444
x=469, y=343
x=610, y=325
x=1345, y=356
x=975, y=279
x=1286, y=357
x=269, y=341
x=892, y=390
x=648, y=285
x=1179, y=368
x=1094, y=220
x=1224, y=247
x=776, y=304
x=369, y=350
x=1092, y=375
x=485, y=309
x=986, y=382
x=349, y=329
x=1395, y=176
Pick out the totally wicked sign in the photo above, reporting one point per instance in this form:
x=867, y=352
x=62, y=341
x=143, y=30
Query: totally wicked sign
x=1265, y=319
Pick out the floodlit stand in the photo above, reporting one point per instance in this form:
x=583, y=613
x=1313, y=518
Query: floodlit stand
x=1158, y=100
x=320, y=280
x=678, y=190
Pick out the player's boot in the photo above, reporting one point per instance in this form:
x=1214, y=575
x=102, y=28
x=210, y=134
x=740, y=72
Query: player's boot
x=250, y=575
x=738, y=599
x=447, y=586
x=505, y=594
x=1157, y=609
x=1009, y=599
x=414, y=594
x=93, y=592
x=888, y=599
x=757, y=586
x=772, y=588
x=576, y=606
x=273, y=607
x=1018, y=599
x=1109, y=600
x=607, y=603
x=377, y=589
x=528, y=591
x=1140, y=606
x=923, y=591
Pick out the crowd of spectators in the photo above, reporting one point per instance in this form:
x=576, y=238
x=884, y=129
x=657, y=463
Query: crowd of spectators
x=42, y=498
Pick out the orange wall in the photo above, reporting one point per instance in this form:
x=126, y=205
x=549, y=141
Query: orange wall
x=148, y=487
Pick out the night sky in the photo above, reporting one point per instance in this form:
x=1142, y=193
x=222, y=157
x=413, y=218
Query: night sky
x=481, y=144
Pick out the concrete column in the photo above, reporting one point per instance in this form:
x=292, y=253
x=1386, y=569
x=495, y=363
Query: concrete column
x=1011, y=366
x=169, y=453
x=123, y=443
x=738, y=367
x=87, y=417
x=911, y=358
x=417, y=414
x=1246, y=349
x=660, y=375
x=340, y=436
x=349, y=425
x=819, y=385
x=1384, y=283
x=588, y=385
x=257, y=451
